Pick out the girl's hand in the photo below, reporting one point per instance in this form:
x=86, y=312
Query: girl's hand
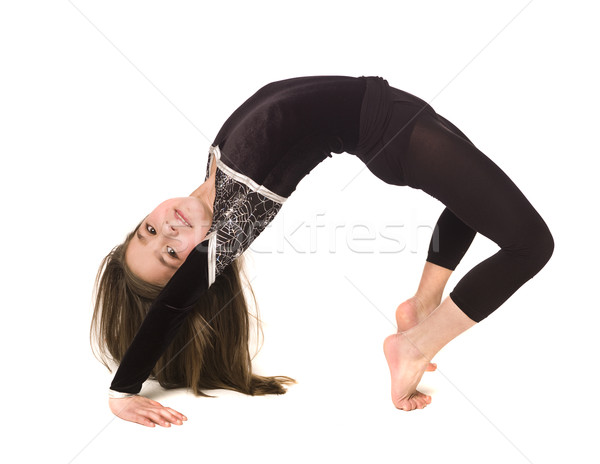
x=144, y=411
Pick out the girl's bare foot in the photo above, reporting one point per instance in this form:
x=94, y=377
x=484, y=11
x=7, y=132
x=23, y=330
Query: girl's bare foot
x=413, y=311
x=407, y=366
x=408, y=353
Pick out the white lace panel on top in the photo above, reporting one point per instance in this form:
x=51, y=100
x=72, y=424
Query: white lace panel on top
x=240, y=214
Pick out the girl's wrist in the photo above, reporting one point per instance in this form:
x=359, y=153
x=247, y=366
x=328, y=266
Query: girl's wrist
x=117, y=394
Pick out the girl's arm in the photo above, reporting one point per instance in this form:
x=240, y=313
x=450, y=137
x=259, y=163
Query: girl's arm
x=164, y=319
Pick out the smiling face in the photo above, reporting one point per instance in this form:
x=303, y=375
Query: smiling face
x=166, y=237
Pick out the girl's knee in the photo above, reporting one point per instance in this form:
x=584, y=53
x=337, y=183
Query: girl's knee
x=545, y=245
x=539, y=245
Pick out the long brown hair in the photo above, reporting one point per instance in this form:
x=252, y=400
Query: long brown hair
x=209, y=352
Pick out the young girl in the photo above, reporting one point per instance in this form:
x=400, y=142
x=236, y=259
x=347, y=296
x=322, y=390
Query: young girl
x=170, y=301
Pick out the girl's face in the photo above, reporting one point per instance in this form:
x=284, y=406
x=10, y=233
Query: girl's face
x=166, y=237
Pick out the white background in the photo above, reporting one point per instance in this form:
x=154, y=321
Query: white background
x=108, y=108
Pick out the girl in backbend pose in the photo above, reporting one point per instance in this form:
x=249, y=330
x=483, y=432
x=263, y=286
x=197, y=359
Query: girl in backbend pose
x=169, y=299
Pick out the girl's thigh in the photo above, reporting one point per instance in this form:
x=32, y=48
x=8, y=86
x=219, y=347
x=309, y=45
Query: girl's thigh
x=440, y=160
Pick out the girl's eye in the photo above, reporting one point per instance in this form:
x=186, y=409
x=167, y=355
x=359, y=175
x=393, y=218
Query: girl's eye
x=150, y=229
x=171, y=252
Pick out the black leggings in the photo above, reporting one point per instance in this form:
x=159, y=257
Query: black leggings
x=425, y=151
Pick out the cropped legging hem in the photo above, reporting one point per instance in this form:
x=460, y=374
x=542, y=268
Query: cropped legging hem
x=441, y=261
x=464, y=307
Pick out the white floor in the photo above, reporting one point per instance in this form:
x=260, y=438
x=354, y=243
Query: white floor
x=108, y=109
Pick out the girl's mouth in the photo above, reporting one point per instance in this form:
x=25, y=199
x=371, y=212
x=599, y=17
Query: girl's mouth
x=182, y=218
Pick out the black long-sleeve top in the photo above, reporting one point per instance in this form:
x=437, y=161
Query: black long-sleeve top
x=262, y=151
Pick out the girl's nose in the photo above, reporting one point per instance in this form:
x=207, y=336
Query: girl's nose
x=169, y=229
